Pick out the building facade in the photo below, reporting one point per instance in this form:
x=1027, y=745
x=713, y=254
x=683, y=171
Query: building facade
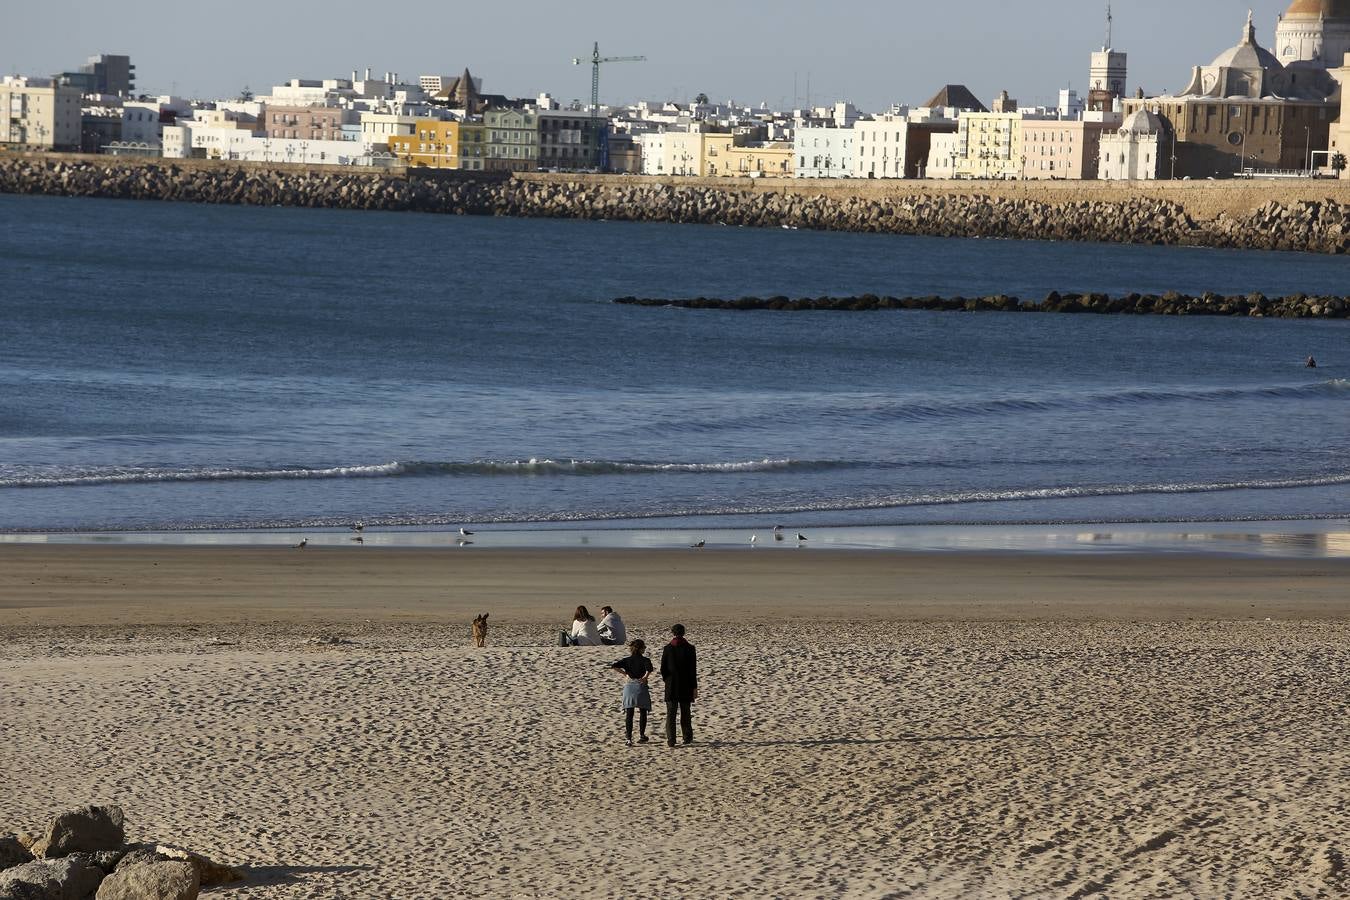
x=989, y=145
x=1136, y=150
x=1057, y=149
x=513, y=140
x=437, y=144
x=39, y=113
x=755, y=159
x=308, y=123
x=824, y=152
x=1316, y=32
x=1244, y=112
x=569, y=139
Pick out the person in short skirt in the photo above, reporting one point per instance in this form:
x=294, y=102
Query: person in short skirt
x=635, y=667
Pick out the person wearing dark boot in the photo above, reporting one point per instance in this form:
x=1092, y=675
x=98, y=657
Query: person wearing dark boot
x=635, y=667
x=679, y=670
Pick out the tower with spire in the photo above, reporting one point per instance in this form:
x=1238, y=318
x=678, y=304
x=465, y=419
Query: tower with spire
x=1106, y=77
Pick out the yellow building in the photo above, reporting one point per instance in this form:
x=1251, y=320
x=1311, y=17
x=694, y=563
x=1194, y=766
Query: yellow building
x=694, y=153
x=435, y=144
x=754, y=160
x=989, y=145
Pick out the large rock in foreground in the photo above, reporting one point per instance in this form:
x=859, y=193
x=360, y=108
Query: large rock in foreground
x=146, y=876
x=86, y=829
x=50, y=879
x=13, y=852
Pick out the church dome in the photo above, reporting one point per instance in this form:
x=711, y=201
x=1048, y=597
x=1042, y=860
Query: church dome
x=1248, y=54
x=1141, y=121
x=1313, y=9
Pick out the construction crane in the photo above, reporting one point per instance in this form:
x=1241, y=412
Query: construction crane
x=595, y=60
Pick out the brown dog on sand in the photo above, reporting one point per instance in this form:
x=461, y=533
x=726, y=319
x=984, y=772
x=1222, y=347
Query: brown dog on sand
x=480, y=630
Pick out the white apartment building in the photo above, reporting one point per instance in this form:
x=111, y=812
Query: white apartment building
x=883, y=144
x=653, y=145
x=237, y=141
x=39, y=113
x=824, y=152
x=943, y=150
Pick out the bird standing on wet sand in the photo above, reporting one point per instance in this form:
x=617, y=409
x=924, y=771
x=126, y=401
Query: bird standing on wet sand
x=698, y=546
x=754, y=539
x=304, y=542
x=358, y=526
x=464, y=532
x=800, y=536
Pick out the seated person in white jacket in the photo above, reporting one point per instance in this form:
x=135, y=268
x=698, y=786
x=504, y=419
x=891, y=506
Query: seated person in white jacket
x=584, y=632
x=612, y=630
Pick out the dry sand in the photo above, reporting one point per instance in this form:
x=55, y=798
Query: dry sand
x=871, y=725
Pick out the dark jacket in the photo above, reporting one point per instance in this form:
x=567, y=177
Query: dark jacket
x=679, y=670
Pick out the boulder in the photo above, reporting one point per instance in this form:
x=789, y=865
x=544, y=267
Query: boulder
x=209, y=872
x=140, y=878
x=50, y=879
x=87, y=828
x=13, y=852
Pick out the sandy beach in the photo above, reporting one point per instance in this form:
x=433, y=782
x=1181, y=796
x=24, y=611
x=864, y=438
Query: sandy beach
x=870, y=724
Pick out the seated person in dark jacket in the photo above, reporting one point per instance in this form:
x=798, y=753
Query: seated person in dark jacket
x=679, y=670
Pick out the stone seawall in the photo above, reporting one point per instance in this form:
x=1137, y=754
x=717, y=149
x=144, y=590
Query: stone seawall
x=1120, y=216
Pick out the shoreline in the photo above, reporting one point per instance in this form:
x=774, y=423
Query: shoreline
x=1326, y=538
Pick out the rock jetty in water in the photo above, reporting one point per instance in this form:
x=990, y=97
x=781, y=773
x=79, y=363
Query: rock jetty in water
x=1298, y=306
x=1308, y=225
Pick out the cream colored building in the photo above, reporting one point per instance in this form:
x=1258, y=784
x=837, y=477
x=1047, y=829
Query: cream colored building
x=989, y=145
x=754, y=160
x=39, y=113
x=694, y=153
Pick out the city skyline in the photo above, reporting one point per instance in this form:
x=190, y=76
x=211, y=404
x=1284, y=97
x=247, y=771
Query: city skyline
x=869, y=53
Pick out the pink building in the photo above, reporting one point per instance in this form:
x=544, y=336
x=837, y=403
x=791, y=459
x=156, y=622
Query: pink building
x=307, y=123
x=1060, y=150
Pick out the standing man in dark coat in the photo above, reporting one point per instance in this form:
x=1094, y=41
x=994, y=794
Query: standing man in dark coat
x=679, y=670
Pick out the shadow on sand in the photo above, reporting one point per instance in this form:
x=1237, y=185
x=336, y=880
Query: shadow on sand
x=264, y=876
x=911, y=739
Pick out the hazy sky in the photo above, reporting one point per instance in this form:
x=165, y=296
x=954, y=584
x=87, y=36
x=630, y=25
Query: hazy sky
x=873, y=52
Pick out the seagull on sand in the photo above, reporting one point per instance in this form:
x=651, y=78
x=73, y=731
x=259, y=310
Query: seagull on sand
x=358, y=526
x=754, y=539
x=698, y=546
x=464, y=532
x=777, y=528
x=800, y=536
x=304, y=542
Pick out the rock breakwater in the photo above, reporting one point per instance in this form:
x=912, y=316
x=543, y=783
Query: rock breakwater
x=1298, y=306
x=1306, y=225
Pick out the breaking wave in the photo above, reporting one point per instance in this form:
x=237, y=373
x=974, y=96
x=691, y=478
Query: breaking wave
x=534, y=467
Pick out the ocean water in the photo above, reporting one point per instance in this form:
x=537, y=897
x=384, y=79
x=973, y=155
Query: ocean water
x=173, y=367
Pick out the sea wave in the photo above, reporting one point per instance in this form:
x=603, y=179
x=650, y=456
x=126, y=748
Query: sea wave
x=1092, y=401
x=846, y=411
x=533, y=467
